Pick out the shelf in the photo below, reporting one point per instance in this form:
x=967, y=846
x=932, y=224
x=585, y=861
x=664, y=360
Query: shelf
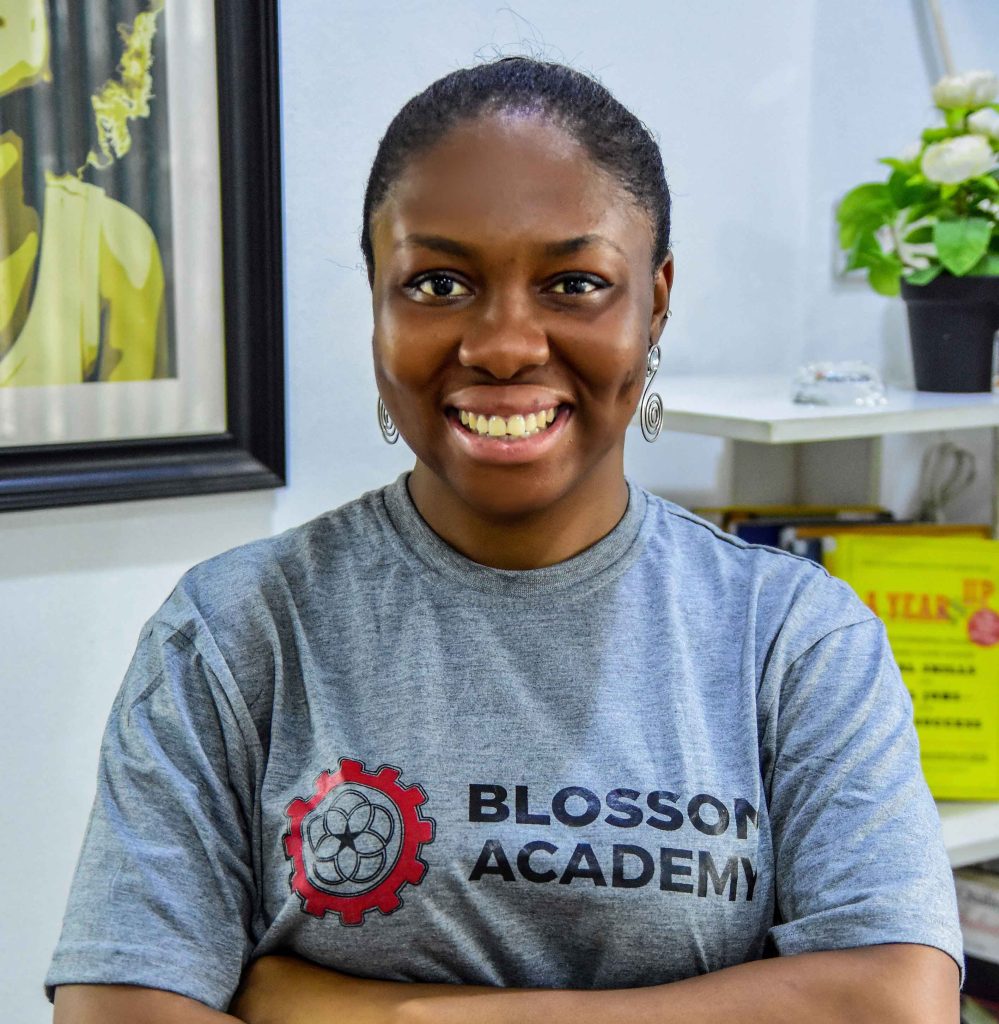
x=970, y=831
x=758, y=409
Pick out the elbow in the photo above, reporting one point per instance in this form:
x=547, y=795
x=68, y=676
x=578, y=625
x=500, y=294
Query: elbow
x=905, y=984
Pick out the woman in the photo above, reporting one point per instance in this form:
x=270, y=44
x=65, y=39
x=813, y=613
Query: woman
x=512, y=723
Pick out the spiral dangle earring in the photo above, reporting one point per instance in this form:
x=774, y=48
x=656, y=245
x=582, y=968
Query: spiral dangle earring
x=388, y=428
x=651, y=408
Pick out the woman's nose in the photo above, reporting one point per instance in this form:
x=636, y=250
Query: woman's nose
x=504, y=337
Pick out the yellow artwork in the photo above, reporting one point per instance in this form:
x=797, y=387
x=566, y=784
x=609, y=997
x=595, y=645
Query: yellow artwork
x=82, y=292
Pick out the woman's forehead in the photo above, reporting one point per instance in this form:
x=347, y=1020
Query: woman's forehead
x=511, y=172
x=498, y=145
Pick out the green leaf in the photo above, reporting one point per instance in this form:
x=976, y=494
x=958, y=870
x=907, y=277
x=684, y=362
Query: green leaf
x=884, y=278
x=949, y=191
x=923, y=209
x=955, y=117
x=855, y=262
x=910, y=190
x=988, y=265
x=868, y=255
x=909, y=166
x=849, y=233
x=860, y=202
x=898, y=190
x=920, y=235
x=863, y=209
x=961, y=243
x=987, y=182
x=865, y=252
x=938, y=134
x=924, y=276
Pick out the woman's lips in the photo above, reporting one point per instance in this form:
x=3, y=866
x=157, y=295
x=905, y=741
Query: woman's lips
x=507, y=449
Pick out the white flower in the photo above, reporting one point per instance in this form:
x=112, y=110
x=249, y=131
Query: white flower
x=984, y=122
x=955, y=160
x=912, y=254
x=972, y=89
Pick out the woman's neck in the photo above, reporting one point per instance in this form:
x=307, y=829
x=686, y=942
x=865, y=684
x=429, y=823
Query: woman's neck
x=530, y=540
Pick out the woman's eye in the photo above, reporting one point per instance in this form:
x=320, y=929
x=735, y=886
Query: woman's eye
x=439, y=286
x=577, y=284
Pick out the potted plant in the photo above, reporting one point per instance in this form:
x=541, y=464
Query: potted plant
x=931, y=231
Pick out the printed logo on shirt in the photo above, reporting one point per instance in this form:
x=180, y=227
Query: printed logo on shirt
x=356, y=841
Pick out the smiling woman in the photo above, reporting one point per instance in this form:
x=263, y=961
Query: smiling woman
x=512, y=738
x=513, y=276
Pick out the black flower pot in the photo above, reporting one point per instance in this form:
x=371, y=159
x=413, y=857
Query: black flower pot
x=952, y=324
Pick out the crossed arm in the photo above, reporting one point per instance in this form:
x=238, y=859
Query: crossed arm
x=889, y=984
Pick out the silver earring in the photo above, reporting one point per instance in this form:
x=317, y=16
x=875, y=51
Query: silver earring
x=651, y=409
x=389, y=430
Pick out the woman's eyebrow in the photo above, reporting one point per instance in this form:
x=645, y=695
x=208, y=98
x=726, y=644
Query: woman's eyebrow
x=565, y=247
x=436, y=242
x=573, y=245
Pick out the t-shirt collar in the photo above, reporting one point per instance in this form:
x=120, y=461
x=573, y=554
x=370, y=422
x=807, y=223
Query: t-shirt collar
x=603, y=560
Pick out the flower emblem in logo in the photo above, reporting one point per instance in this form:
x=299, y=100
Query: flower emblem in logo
x=352, y=842
x=356, y=842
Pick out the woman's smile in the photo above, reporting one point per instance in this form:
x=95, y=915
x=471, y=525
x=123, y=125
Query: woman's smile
x=516, y=439
x=519, y=425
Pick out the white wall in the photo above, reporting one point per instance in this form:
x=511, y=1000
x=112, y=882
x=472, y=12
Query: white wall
x=767, y=112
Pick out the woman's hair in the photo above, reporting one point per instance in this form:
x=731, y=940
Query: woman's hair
x=614, y=138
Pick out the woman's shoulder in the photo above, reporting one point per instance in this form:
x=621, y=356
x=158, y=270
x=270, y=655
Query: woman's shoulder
x=240, y=611
x=262, y=585
x=768, y=584
x=693, y=532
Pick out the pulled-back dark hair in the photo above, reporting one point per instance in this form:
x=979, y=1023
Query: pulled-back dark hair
x=614, y=138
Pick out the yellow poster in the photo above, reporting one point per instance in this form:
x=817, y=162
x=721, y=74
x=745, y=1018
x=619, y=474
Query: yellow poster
x=939, y=600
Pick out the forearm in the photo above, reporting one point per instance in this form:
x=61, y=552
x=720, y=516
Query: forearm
x=841, y=987
x=882, y=985
x=128, y=1004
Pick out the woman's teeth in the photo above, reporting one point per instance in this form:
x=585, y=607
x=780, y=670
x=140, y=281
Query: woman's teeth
x=512, y=426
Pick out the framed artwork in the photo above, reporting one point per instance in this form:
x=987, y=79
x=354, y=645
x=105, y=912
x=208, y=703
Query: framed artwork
x=141, y=323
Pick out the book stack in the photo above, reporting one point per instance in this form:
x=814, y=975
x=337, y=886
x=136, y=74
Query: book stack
x=978, y=904
x=814, y=531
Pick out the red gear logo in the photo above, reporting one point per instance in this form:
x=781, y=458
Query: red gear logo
x=356, y=842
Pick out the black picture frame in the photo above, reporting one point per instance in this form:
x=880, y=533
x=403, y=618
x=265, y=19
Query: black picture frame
x=250, y=454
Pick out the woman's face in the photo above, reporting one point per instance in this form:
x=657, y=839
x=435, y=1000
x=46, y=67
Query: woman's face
x=513, y=278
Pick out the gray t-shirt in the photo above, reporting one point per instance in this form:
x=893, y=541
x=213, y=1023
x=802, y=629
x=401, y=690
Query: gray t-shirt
x=671, y=753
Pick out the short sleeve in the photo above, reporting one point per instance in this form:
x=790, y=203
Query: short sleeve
x=164, y=894
x=858, y=852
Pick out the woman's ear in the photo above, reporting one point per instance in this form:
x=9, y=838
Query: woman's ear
x=662, y=286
